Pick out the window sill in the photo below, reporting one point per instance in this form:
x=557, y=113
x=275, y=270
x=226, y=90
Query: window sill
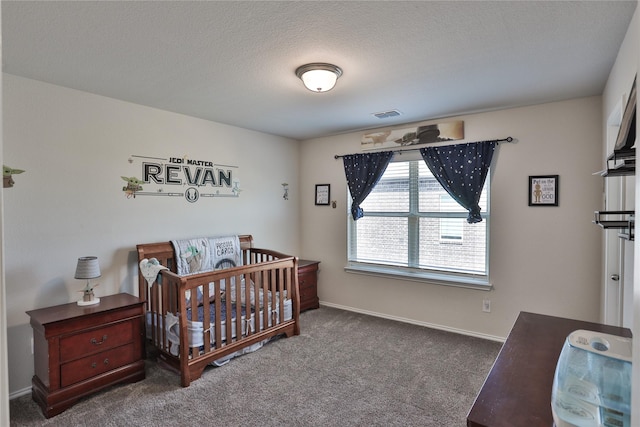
x=418, y=276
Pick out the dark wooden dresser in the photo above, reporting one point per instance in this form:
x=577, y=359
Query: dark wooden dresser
x=79, y=350
x=517, y=391
x=308, y=283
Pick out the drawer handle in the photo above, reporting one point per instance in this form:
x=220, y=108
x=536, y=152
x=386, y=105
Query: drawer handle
x=95, y=341
x=94, y=364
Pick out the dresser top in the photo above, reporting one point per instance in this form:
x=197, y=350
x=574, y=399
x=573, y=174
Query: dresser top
x=305, y=262
x=63, y=312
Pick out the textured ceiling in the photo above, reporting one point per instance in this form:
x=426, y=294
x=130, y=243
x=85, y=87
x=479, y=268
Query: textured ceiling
x=234, y=62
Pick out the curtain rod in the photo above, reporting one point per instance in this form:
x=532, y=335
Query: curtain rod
x=507, y=139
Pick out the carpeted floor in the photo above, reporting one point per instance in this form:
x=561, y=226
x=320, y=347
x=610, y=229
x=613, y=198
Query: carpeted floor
x=345, y=369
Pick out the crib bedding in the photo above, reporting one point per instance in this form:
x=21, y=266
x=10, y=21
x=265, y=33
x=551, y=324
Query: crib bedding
x=231, y=293
x=196, y=331
x=206, y=253
x=197, y=326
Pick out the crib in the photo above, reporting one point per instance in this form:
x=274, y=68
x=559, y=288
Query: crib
x=208, y=317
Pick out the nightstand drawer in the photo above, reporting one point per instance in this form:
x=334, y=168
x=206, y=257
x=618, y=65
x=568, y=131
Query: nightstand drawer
x=307, y=280
x=78, y=345
x=82, y=369
x=308, y=284
x=308, y=293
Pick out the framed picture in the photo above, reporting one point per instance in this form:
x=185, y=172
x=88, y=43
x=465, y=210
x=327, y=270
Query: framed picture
x=323, y=191
x=543, y=190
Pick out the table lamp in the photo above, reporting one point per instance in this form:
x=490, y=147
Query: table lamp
x=88, y=268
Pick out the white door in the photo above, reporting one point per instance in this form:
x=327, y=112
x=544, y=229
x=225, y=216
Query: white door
x=614, y=249
x=617, y=291
x=627, y=286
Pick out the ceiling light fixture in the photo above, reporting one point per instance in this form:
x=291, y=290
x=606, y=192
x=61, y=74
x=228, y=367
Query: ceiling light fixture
x=319, y=76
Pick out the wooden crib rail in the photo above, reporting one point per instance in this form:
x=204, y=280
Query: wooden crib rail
x=256, y=255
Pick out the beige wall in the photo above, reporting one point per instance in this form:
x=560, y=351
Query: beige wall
x=543, y=259
x=75, y=147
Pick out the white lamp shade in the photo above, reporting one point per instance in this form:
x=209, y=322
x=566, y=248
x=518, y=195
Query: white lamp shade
x=319, y=77
x=87, y=268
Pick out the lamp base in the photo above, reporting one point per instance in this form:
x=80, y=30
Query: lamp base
x=91, y=302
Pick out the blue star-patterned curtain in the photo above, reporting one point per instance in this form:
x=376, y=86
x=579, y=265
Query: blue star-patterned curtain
x=461, y=170
x=363, y=172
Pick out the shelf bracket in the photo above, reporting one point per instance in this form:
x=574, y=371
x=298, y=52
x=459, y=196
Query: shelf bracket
x=624, y=221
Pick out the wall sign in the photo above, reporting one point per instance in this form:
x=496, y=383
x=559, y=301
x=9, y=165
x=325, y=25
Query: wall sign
x=181, y=177
x=543, y=190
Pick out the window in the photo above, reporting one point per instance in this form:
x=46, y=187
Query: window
x=412, y=227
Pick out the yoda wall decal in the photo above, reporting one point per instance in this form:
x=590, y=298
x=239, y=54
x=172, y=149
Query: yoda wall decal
x=133, y=185
x=7, y=178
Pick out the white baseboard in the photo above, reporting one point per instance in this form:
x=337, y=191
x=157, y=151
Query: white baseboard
x=416, y=322
x=19, y=393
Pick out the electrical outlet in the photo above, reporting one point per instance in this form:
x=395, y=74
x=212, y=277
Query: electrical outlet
x=486, y=306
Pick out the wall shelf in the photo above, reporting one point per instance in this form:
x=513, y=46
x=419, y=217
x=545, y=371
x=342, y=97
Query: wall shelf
x=620, y=163
x=624, y=221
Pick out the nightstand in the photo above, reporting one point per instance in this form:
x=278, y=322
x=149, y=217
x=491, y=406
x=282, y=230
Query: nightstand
x=308, y=284
x=79, y=350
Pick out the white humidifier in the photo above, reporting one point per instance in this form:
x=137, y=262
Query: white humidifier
x=592, y=383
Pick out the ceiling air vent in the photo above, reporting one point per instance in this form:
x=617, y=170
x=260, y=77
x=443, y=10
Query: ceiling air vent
x=387, y=114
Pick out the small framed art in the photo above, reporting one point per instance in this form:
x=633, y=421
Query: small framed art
x=323, y=192
x=543, y=190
